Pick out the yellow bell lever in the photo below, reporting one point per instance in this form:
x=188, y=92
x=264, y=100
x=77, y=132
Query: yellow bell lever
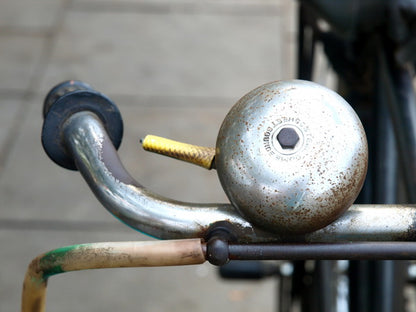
x=197, y=155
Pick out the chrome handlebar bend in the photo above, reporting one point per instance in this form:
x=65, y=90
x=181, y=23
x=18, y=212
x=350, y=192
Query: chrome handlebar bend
x=85, y=141
x=98, y=162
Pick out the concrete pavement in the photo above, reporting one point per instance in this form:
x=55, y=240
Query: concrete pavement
x=174, y=68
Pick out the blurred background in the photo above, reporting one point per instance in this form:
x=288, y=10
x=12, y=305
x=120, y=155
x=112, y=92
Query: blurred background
x=174, y=68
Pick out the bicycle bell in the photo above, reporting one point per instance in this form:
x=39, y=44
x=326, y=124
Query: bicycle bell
x=291, y=156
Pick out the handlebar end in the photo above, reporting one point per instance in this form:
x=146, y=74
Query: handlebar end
x=62, y=102
x=60, y=90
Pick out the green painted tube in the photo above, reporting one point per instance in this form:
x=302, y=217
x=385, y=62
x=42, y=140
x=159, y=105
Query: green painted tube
x=104, y=255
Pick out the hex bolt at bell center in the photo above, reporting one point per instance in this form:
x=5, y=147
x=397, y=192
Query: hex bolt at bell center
x=288, y=138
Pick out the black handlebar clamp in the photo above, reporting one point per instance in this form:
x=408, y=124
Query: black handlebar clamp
x=62, y=102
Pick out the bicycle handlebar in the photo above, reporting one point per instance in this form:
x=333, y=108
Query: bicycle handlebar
x=85, y=140
x=98, y=162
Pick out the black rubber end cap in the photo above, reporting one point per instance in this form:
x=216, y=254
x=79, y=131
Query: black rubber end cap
x=60, y=90
x=69, y=98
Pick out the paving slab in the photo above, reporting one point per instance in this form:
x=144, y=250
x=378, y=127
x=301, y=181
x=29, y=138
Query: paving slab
x=236, y=3
x=32, y=187
x=19, y=58
x=228, y=7
x=28, y=16
x=174, y=54
x=10, y=106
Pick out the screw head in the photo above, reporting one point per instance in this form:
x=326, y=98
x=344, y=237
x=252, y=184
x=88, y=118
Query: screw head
x=288, y=138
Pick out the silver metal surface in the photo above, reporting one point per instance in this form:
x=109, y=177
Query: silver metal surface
x=98, y=162
x=370, y=223
x=298, y=189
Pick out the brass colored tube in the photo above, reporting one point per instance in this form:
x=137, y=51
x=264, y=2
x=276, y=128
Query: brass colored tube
x=197, y=155
x=104, y=255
